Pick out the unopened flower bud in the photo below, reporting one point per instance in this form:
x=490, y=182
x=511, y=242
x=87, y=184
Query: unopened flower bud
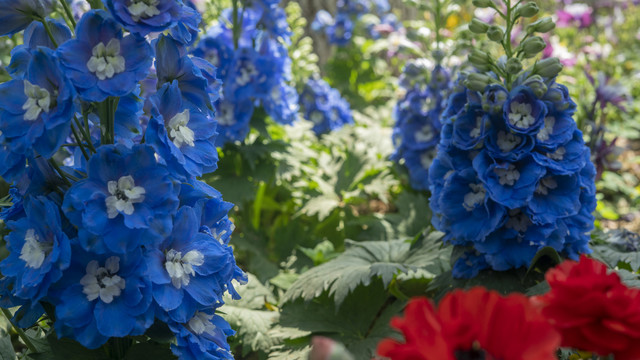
x=495, y=33
x=513, y=66
x=482, y=3
x=477, y=82
x=532, y=46
x=478, y=26
x=548, y=68
x=537, y=85
x=494, y=97
x=527, y=10
x=480, y=59
x=543, y=25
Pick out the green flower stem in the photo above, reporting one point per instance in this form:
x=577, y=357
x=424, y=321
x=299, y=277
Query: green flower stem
x=236, y=26
x=84, y=130
x=20, y=332
x=63, y=175
x=79, y=141
x=47, y=28
x=506, y=42
x=67, y=11
x=438, y=23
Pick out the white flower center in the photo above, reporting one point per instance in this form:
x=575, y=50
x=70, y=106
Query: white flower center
x=213, y=57
x=558, y=154
x=545, y=185
x=124, y=194
x=475, y=132
x=426, y=158
x=34, y=251
x=106, y=61
x=475, y=197
x=201, y=323
x=507, y=176
x=518, y=221
x=247, y=72
x=178, y=130
x=549, y=123
x=316, y=117
x=143, y=9
x=520, y=115
x=218, y=236
x=508, y=141
x=180, y=268
x=38, y=100
x=226, y=115
x=425, y=134
x=102, y=282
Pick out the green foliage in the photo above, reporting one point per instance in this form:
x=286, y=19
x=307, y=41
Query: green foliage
x=6, y=348
x=359, y=323
x=304, y=60
x=251, y=317
x=362, y=263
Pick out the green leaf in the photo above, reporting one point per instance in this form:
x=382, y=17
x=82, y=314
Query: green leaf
x=6, y=348
x=252, y=326
x=359, y=323
x=284, y=280
x=322, y=206
x=504, y=282
x=363, y=262
x=67, y=349
x=150, y=350
x=616, y=248
x=253, y=295
x=248, y=317
x=290, y=354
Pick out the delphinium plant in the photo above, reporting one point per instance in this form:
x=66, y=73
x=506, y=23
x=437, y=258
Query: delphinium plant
x=324, y=107
x=248, y=45
x=512, y=175
x=110, y=232
x=351, y=14
x=426, y=84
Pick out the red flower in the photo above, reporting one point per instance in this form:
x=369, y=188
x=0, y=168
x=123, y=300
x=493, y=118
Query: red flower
x=592, y=309
x=474, y=321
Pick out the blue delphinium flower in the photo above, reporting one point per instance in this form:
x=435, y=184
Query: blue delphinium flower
x=181, y=134
x=341, y=31
x=340, y=28
x=39, y=251
x=16, y=15
x=233, y=120
x=525, y=163
x=35, y=112
x=203, y=336
x=324, y=106
x=101, y=62
x=254, y=72
x=282, y=103
x=127, y=200
x=193, y=267
x=417, y=129
x=173, y=63
x=145, y=16
x=103, y=296
x=35, y=35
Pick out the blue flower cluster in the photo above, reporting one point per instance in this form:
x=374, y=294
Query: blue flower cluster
x=324, y=107
x=254, y=66
x=512, y=175
x=340, y=29
x=417, y=129
x=124, y=235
